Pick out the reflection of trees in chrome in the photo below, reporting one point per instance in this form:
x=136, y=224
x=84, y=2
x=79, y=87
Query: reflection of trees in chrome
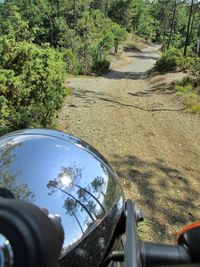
x=113, y=193
x=79, y=198
x=55, y=185
x=83, y=192
x=71, y=208
x=98, y=184
x=8, y=178
x=90, y=204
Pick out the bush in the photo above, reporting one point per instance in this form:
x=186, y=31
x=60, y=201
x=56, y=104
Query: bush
x=168, y=61
x=184, y=89
x=195, y=69
x=71, y=61
x=193, y=103
x=101, y=66
x=187, y=89
x=195, y=108
x=31, y=85
x=187, y=80
x=191, y=64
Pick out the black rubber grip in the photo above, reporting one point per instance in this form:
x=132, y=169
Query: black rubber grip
x=154, y=254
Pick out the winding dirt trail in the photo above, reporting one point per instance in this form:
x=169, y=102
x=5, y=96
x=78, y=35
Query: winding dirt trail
x=143, y=130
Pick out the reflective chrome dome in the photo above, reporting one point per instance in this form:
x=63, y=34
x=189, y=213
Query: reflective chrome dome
x=65, y=176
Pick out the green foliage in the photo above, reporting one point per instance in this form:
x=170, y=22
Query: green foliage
x=195, y=69
x=191, y=64
x=120, y=35
x=119, y=12
x=187, y=80
x=95, y=39
x=80, y=29
x=173, y=58
x=184, y=89
x=71, y=61
x=145, y=27
x=31, y=84
x=193, y=102
x=187, y=88
x=138, y=8
x=101, y=66
x=168, y=61
x=195, y=108
x=12, y=23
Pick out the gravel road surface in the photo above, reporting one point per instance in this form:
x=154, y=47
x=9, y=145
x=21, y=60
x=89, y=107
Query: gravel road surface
x=142, y=128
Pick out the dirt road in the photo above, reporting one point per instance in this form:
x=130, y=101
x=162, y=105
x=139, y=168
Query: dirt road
x=138, y=124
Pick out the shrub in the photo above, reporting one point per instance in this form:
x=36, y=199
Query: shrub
x=71, y=61
x=31, y=85
x=184, y=89
x=195, y=69
x=195, y=108
x=101, y=66
x=191, y=64
x=187, y=80
x=187, y=89
x=168, y=61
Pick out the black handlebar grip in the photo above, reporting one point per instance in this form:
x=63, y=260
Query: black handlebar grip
x=154, y=254
x=32, y=235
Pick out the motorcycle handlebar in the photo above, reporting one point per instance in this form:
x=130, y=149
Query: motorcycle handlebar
x=29, y=232
x=152, y=254
x=155, y=254
x=28, y=223
x=138, y=253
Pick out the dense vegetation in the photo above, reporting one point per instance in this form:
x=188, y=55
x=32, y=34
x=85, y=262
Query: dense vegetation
x=43, y=40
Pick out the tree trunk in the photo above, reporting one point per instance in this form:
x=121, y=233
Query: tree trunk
x=172, y=25
x=192, y=23
x=163, y=35
x=77, y=221
x=106, y=9
x=187, y=39
x=116, y=47
x=74, y=15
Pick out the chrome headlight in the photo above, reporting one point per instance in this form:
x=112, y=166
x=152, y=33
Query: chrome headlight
x=68, y=178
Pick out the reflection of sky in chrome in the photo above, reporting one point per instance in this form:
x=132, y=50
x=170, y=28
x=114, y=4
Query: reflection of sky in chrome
x=40, y=161
x=2, y=240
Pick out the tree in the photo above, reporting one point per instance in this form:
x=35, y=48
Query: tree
x=8, y=177
x=120, y=35
x=103, y=5
x=71, y=208
x=137, y=9
x=172, y=23
x=119, y=12
x=188, y=28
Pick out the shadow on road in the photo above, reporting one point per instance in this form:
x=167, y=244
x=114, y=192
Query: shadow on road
x=162, y=87
x=140, y=94
x=145, y=56
x=88, y=95
x=118, y=75
x=154, y=182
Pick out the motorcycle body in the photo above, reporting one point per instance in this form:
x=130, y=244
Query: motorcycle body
x=61, y=201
